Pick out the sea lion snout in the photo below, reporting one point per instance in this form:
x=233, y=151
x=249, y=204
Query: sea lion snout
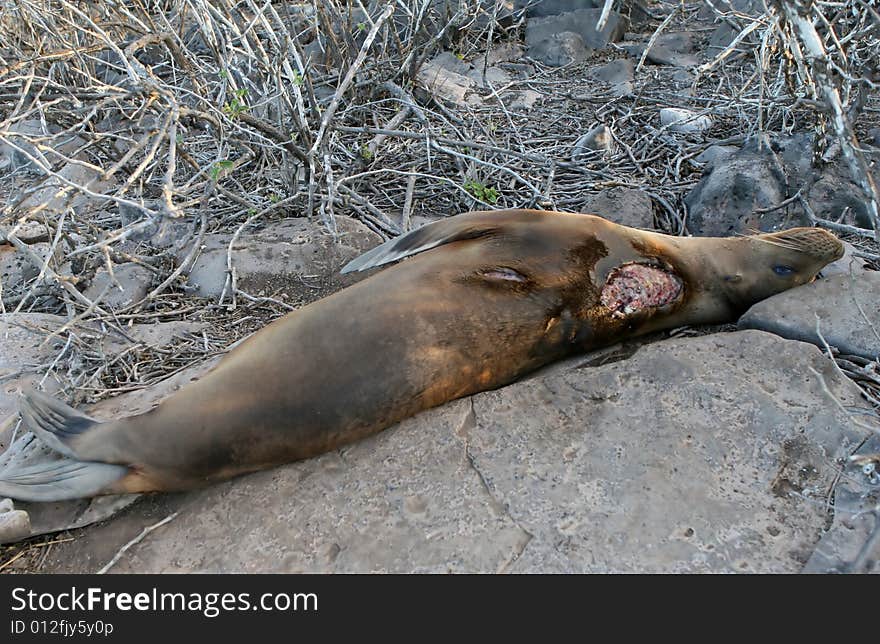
x=818, y=243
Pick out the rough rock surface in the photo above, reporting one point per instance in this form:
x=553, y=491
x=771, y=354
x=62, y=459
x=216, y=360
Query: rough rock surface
x=542, y=34
x=626, y=206
x=684, y=121
x=845, y=547
x=446, y=77
x=675, y=49
x=617, y=73
x=847, y=309
x=130, y=284
x=726, y=199
x=695, y=454
x=57, y=195
x=294, y=256
x=22, y=356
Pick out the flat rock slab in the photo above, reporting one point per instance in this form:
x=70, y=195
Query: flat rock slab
x=296, y=257
x=846, y=308
x=695, y=454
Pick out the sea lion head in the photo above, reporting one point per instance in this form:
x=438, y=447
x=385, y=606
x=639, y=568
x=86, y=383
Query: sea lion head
x=723, y=277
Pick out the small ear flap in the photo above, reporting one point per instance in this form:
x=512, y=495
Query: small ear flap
x=461, y=227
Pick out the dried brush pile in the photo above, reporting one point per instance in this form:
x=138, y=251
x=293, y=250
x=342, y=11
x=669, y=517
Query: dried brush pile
x=120, y=119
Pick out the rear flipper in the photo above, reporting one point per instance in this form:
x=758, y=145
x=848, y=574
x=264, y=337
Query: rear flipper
x=60, y=480
x=77, y=475
x=58, y=425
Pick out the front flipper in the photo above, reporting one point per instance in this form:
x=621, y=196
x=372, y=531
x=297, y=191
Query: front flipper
x=474, y=225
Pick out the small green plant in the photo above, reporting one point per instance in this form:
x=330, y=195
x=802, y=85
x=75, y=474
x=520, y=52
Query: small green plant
x=224, y=74
x=366, y=153
x=362, y=26
x=274, y=197
x=221, y=169
x=236, y=106
x=482, y=192
x=297, y=79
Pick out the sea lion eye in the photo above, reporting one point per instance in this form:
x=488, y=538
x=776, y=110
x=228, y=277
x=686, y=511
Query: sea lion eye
x=781, y=269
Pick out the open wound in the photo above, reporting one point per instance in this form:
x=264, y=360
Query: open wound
x=632, y=288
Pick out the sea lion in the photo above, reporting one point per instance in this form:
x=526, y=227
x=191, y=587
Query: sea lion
x=482, y=299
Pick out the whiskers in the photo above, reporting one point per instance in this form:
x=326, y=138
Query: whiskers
x=817, y=242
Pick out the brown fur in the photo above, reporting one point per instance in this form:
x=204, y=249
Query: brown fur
x=435, y=327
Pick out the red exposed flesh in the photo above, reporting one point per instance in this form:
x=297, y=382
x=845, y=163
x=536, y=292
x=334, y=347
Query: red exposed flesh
x=635, y=287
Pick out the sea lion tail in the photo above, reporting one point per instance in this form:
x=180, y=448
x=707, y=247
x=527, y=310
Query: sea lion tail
x=60, y=480
x=55, y=423
x=74, y=476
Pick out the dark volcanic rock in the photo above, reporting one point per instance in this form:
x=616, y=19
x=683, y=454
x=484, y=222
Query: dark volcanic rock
x=542, y=34
x=725, y=200
x=618, y=74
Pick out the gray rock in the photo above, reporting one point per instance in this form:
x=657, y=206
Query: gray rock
x=17, y=270
x=544, y=8
x=582, y=22
x=296, y=257
x=441, y=82
x=693, y=455
x=846, y=307
x=53, y=195
x=618, y=74
x=827, y=185
x=715, y=155
x=504, y=53
x=684, y=121
x=14, y=526
x=30, y=232
x=494, y=77
x=625, y=206
x=635, y=9
x=848, y=538
x=834, y=194
x=131, y=285
x=674, y=49
x=20, y=144
x=559, y=49
x=452, y=63
x=725, y=32
x=525, y=100
x=726, y=198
